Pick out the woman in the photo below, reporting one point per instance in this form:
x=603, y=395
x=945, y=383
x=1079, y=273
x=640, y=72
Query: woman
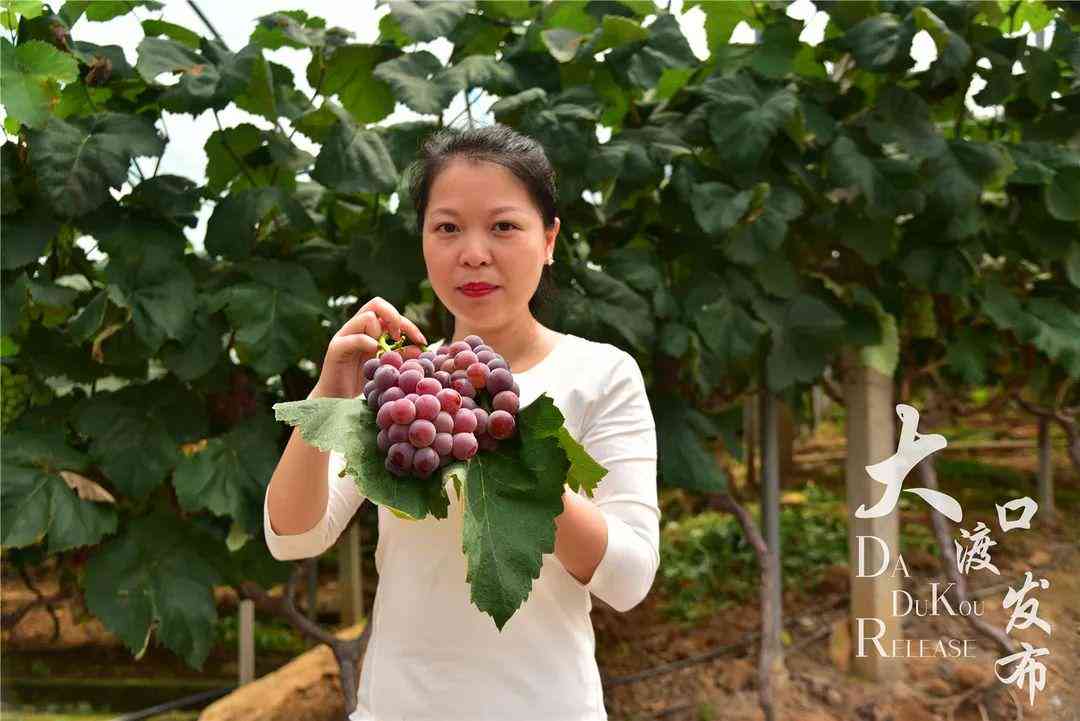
x=485, y=203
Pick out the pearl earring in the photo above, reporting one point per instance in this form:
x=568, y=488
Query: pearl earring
x=550, y=260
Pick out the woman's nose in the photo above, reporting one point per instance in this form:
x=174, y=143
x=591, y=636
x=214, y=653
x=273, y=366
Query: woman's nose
x=475, y=251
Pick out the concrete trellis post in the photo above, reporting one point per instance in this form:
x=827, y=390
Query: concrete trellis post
x=871, y=437
x=350, y=576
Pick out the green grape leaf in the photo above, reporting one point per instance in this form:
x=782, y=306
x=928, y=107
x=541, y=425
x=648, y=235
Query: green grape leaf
x=355, y=160
x=274, y=314
x=347, y=425
x=225, y=149
x=425, y=20
x=159, y=576
x=176, y=32
x=347, y=73
x=38, y=502
x=146, y=273
x=743, y=119
x=135, y=432
x=78, y=160
x=26, y=237
x=230, y=475
x=28, y=83
x=508, y=524
x=238, y=219
x=418, y=81
x=684, y=459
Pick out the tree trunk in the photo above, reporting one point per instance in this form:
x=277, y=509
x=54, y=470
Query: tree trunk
x=871, y=437
x=1046, y=468
x=771, y=669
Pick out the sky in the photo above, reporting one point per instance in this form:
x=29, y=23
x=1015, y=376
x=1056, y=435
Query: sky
x=235, y=21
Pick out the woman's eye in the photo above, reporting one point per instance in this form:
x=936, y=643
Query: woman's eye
x=500, y=223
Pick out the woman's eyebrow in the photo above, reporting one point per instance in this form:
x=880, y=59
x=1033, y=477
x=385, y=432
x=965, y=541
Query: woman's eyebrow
x=493, y=211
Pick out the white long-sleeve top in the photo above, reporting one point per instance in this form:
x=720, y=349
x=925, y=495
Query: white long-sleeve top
x=432, y=653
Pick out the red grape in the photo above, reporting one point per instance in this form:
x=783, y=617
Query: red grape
x=499, y=380
x=391, y=358
x=382, y=418
x=463, y=387
x=398, y=433
x=443, y=443
x=407, y=380
x=450, y=400
x=386, y=377
x=478, y=375
x=403, y=411
x=413, y=363
x=421, y=433
x=428, y=386
x=464, y=359
x=444, y=422
x=501, y=425
x=425, y=460
x=401, y=455
x=427, y=407
x=464, y=421
x=370, y=366
x=505, y=401
x=465, y=446
x=391, y=394
x=481, y=420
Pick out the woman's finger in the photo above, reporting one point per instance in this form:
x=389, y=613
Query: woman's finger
x=388, y=315
x=365, y=321
x=413, y=332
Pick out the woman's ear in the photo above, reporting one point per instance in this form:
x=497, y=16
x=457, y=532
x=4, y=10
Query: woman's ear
x=551, y=235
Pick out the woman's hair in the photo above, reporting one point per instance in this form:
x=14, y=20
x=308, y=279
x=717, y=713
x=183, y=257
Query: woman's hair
x=496, y=143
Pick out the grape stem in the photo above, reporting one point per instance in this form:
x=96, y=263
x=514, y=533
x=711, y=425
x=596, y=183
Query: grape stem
x=385, y=345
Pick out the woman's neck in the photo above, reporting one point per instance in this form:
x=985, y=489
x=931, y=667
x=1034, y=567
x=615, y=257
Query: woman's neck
x=522, y=343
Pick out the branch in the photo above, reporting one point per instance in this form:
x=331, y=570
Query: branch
x=346, y=651
x=232, y=153
x=948, y=561
x=1069, y=425
x=207, y=23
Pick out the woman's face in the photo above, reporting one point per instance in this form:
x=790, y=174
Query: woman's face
x=482, y=227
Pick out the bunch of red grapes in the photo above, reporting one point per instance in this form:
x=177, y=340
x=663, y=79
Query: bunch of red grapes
x=433, y=407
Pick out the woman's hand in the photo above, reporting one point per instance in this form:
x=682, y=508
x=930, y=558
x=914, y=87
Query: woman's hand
x=342, y=374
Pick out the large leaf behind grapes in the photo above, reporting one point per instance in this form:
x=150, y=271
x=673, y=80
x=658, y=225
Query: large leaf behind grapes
x=347, y=426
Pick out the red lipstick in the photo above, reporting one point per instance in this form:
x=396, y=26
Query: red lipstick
x=475, y=290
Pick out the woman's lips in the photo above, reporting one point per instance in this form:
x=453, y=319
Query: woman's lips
x=475, y=290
